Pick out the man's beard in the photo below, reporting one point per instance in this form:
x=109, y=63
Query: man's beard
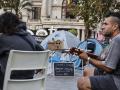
x=108, y=34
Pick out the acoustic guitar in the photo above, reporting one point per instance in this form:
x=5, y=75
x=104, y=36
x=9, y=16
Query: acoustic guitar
x=76, y=51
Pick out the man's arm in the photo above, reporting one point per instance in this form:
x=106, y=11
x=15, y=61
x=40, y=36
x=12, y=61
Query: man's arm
x=100, y=64
x=95, y=62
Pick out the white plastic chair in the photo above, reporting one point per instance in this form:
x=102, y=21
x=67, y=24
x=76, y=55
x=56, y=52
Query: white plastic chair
x=26, y=60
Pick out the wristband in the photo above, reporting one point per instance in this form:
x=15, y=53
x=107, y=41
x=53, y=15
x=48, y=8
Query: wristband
x=88, y=59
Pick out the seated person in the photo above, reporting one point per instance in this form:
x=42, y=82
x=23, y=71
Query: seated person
x=105, y=75
x=14, y=36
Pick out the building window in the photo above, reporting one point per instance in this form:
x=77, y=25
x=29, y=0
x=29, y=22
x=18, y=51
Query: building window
x=64, y=9
x=68, y=8
x=36, y=13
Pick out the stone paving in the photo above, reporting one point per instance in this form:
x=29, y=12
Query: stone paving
x=62, y=82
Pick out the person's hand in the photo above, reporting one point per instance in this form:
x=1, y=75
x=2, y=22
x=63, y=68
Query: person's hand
x=79, y=52
x=84, y=56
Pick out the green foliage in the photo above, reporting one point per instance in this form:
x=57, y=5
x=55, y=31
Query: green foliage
x=72, y=10
x=93, y=12
x=16, y=5
x=73, y=31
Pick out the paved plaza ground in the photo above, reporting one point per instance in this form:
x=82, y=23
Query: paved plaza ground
x=62, y=82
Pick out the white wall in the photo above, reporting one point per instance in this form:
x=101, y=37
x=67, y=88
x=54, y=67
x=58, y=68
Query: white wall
x=56, y=12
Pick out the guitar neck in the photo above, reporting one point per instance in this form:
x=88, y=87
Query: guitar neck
x=79, y=51
x=93, y=55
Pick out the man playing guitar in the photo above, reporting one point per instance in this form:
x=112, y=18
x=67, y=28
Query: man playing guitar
x=105, y=75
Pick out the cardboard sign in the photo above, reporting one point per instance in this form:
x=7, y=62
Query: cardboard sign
x=64, y=69
x=55, y=45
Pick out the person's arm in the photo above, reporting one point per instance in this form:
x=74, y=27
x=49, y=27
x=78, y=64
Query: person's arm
x=100, y=64
x=95, y=62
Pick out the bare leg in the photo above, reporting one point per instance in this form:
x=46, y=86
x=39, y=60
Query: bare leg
x=88, y=71
x=84, y=84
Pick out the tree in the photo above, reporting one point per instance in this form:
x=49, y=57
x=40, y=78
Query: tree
x=73, y=31
x=72, y=9
x=93, y=12
x=1, y=4
x=16, y=5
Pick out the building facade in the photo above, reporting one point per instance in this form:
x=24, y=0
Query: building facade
x=50, y=15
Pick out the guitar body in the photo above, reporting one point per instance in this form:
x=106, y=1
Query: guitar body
x=77, y=51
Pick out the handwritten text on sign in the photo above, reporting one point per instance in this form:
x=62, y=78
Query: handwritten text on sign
x=64, y=69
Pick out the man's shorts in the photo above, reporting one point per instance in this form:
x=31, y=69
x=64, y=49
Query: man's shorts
x=102, y=82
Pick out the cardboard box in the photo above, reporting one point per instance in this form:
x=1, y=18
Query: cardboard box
x=55, y=45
